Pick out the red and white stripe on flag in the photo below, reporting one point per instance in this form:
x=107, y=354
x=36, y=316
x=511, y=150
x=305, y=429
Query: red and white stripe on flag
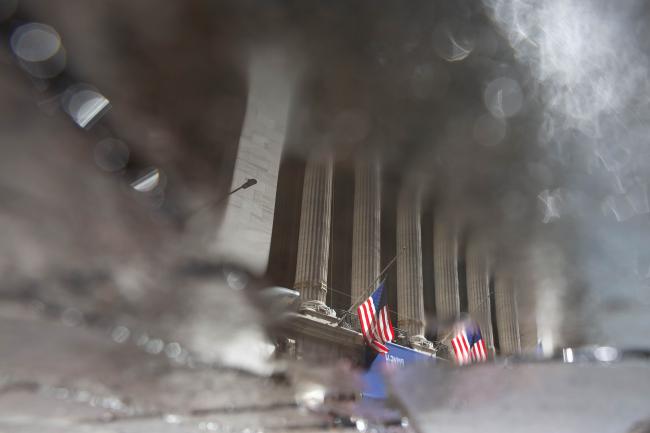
x=479, y=352
x=377, y=329
x=465, y=352
x=460, y=344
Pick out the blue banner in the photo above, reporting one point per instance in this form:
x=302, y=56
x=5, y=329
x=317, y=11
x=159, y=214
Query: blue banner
x=397, y=357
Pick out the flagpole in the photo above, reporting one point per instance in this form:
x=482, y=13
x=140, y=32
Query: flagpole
x=370, y=287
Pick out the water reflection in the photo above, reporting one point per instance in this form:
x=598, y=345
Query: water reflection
x=116, y=331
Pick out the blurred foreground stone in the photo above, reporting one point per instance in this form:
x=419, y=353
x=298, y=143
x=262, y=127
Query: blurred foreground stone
x=58, y=378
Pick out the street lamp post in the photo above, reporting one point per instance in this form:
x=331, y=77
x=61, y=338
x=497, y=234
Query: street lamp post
x=247, y=184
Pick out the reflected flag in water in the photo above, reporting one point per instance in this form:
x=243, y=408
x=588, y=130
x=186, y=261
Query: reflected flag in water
x=468, y=344
x=376, y=326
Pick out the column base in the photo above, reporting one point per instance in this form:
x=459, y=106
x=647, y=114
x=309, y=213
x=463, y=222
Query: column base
x=317, y=307
x=421, y=344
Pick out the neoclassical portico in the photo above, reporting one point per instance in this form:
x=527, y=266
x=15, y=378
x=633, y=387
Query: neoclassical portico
x=314, y=243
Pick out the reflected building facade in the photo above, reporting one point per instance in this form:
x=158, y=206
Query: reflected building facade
x=347, y=164
x=338, y=224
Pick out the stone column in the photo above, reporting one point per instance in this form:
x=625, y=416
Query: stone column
x=410, y=303
x=445, y=269
x=526, y=313
x=506, y=311
x=314, y=235
x=366, y=233
x=478, y=288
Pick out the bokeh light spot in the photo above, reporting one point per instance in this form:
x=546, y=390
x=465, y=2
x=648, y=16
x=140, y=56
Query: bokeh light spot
x=148, y=181
x=606, y=354
x=452, y=45
x=503, y=97
x=38, y=50
x=35, y=42
x=85, y=105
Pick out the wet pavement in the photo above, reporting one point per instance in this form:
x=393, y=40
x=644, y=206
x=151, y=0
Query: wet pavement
x=57, y=377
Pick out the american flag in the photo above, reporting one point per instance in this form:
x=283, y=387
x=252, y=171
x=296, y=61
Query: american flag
x=376, y=327
x=468, y=344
